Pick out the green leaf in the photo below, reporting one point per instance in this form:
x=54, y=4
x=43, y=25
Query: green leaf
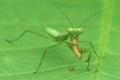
x=20, y=59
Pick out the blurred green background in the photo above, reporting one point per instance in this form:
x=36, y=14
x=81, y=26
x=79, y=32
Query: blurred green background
x=19, y=60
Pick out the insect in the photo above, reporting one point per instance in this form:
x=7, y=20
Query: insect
x=70, y=38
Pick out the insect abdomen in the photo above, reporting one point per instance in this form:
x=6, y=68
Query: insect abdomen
x=52, y=32
x=60, y=37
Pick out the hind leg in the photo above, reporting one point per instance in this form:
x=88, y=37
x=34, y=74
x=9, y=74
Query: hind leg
x=89, y=56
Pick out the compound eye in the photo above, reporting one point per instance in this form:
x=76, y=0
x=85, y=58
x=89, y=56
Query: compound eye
x=80, y=29
x=70, y=29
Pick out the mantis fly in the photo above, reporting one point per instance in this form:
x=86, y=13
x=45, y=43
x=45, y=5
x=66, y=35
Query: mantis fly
x=70, y=38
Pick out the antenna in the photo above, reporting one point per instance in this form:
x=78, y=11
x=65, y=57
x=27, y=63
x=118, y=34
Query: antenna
x=93, y=16
x=65, y=16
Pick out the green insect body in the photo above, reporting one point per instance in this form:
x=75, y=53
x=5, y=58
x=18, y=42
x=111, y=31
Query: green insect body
x=70, y=38
x=57, y=36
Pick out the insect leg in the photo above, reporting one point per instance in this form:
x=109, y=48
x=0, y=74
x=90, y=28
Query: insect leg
x=89, y=56
x=43, y=57
x=70, y=43
x=22, y=34
x=90, y=43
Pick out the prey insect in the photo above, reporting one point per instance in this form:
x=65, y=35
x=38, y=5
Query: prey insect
x=70, y=38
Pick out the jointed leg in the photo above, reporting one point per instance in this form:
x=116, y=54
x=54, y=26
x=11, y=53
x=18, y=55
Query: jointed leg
x=84, y=50
x=89, y=56
x=90, y=43
x=43, y=57
x=22, y=34
x=70, y=43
